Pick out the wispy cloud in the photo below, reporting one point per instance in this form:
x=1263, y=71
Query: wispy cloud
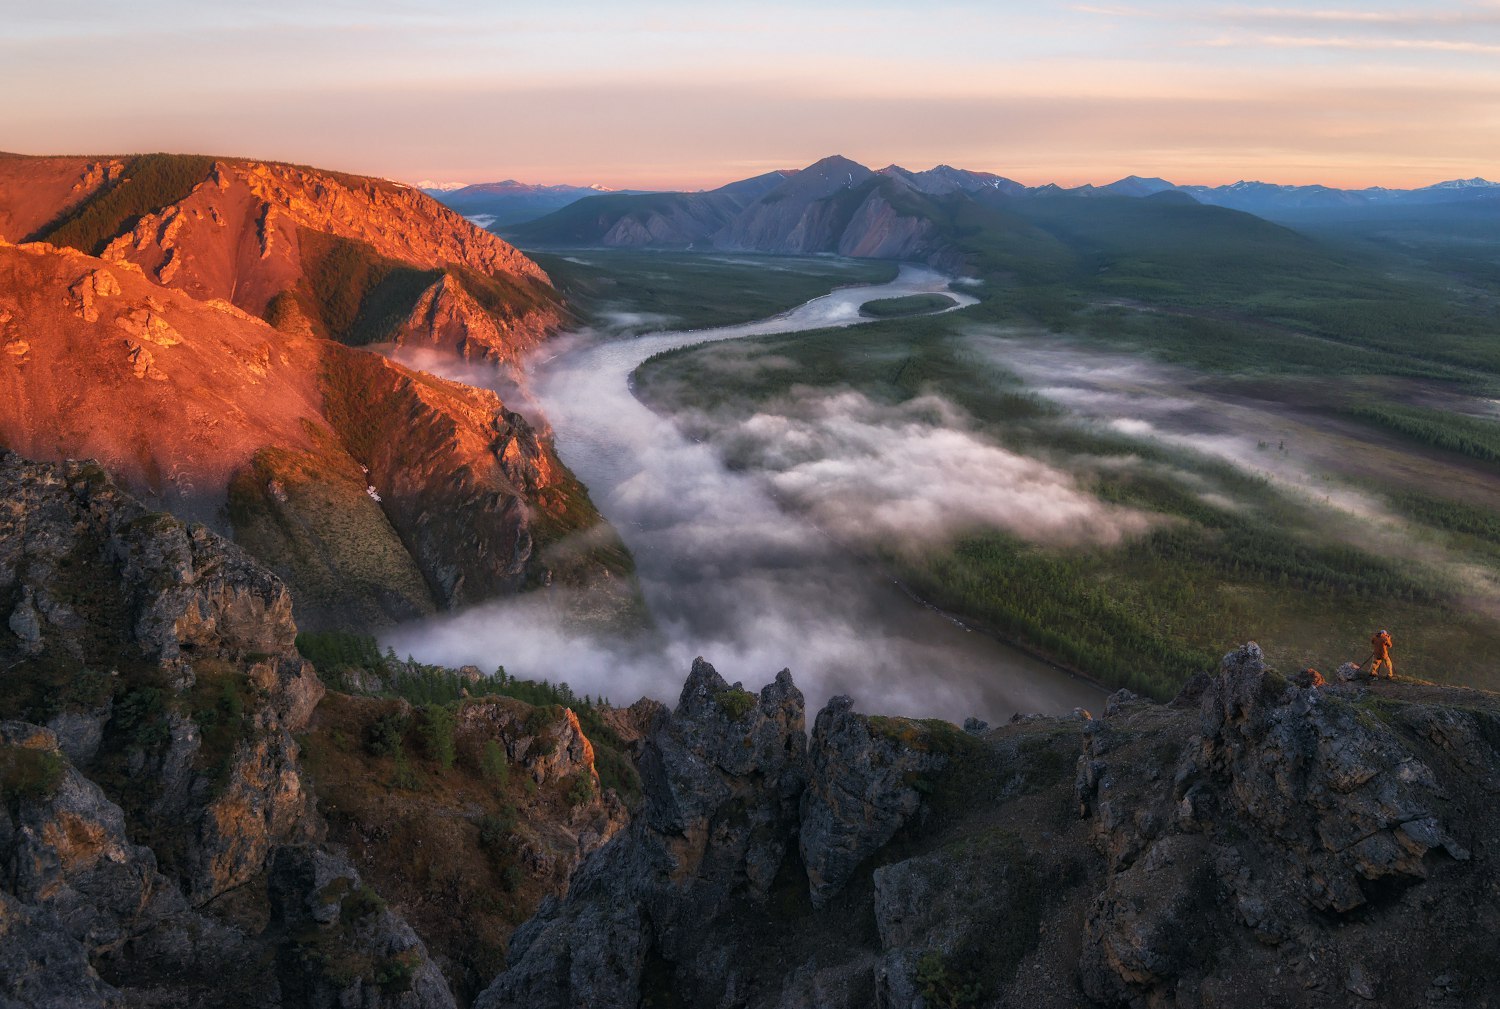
x=1347, y=42
x=1486, y=14
x=1411, y=18
x=1114, y=12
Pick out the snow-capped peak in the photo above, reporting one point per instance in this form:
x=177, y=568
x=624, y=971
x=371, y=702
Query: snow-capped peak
x=1474, y=183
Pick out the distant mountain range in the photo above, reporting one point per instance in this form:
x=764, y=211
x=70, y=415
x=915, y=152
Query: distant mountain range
x=1259, y=197
x=509, y=202
x=837, y=205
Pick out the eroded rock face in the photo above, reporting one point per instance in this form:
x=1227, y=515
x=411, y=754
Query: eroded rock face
x=1256, y=842
x=1291, y=827
x=95, y=284
x=44, y=967
x=446, y=317
x=1345, y=796
x=165, y=658
x=451, y=465
x=67, y=852
x=83, y=909
x=555, y=751
x=721, y=775
x=862, y=787
x=168, y=604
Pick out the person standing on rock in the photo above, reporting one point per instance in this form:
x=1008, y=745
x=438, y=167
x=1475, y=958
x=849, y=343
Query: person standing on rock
x=1380, y=646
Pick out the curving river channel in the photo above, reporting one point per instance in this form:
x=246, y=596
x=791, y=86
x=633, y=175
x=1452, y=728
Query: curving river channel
x=728, y=572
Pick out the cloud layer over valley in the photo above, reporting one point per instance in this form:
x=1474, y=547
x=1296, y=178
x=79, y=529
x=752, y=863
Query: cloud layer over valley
x=913, y=476
x=752, y=583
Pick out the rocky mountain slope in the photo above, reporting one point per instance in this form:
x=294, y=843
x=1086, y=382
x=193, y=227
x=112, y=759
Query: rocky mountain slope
x=157, y=837
x=356, y=259
x=188, y=817
x=347, y=474
x=182, y=806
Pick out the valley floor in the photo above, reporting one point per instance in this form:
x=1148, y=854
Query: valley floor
x=1304, y=509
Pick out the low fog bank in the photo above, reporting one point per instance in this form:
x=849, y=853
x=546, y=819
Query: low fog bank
x=913, y=476
x=896, y=668
x=732, y=575
x=753, y=587
x=1172, y=406
x=1272, y=434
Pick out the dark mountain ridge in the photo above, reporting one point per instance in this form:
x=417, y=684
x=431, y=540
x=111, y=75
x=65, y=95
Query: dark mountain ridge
x=839, y=206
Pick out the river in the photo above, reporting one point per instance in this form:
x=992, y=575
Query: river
x=730, y=574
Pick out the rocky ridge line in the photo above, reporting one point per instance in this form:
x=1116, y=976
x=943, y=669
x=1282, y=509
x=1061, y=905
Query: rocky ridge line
x=167, y=656
x=1257, y=842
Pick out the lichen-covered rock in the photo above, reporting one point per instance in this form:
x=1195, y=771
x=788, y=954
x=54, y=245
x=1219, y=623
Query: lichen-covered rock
x=863, y=777
x=551, y=747
x=167, y=662
x=206, y=684
x=84, y=910
x=25, y=623
x=42, y=967
x=68, y=851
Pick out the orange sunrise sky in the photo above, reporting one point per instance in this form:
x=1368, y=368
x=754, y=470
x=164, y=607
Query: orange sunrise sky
x=690, y=95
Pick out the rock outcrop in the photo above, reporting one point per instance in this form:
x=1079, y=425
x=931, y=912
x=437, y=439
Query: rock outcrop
x=1255, y=843
x=721, y=775
x=182, y=620
x=139, y=824
x=863, y=780
x=1306, y=835
x=80, y=899
x=446, y=317
x=340, y=945
x=551, y=752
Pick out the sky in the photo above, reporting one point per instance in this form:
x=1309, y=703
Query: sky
x=668, y=94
